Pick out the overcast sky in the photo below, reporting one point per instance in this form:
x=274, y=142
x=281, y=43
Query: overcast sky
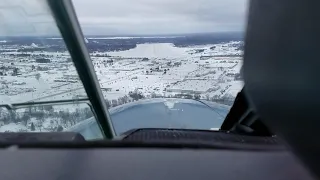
x=160, y=16
x=129, y=17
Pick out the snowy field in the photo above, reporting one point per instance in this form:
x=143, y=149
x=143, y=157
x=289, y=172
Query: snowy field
x=154, y=70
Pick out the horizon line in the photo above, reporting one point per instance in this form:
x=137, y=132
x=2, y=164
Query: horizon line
x=131, y=35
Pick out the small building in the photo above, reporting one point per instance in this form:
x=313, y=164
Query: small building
x=43, y=60
x=109, y=61
x=106, y=89
x=205, y=57
x=177, y=64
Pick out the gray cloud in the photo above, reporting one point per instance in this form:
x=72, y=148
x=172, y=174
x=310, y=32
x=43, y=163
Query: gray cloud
x=160, y=16
x=26, y=17
x=124, y=17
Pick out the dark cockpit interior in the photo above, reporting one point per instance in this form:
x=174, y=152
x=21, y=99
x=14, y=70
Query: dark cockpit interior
x=270, y=131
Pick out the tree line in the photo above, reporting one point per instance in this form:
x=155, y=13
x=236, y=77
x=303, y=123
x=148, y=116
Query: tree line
x=33, y=117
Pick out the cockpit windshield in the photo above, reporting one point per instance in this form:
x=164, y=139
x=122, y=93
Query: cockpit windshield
x=158, y=63
x=35, y=63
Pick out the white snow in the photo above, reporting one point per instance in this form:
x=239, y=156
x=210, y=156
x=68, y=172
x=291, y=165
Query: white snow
x=13, y=127
x=33, y=45
x=86, y=40
x=158, y=50
x=168, y=71
x=169, y=103
x=135, y=37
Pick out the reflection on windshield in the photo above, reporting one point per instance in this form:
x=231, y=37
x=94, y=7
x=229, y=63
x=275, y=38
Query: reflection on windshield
x=36, y=66
x=43, y=118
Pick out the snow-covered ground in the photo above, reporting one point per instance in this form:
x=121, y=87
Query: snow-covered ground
x=158, y=50
x=160, y=69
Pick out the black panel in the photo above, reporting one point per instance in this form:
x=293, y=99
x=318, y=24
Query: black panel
x=197, y=137
x=144, y=164
x=239, y=108
x=281, y=72
x=13, y=138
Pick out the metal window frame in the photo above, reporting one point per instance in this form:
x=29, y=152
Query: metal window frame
x=37, y=103
x=69, y=27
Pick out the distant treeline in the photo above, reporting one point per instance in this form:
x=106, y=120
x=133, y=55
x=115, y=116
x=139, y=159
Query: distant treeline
x=63, y=118
x=107, y=45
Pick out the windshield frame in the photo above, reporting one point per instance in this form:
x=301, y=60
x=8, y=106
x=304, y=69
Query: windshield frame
x=64, y=14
